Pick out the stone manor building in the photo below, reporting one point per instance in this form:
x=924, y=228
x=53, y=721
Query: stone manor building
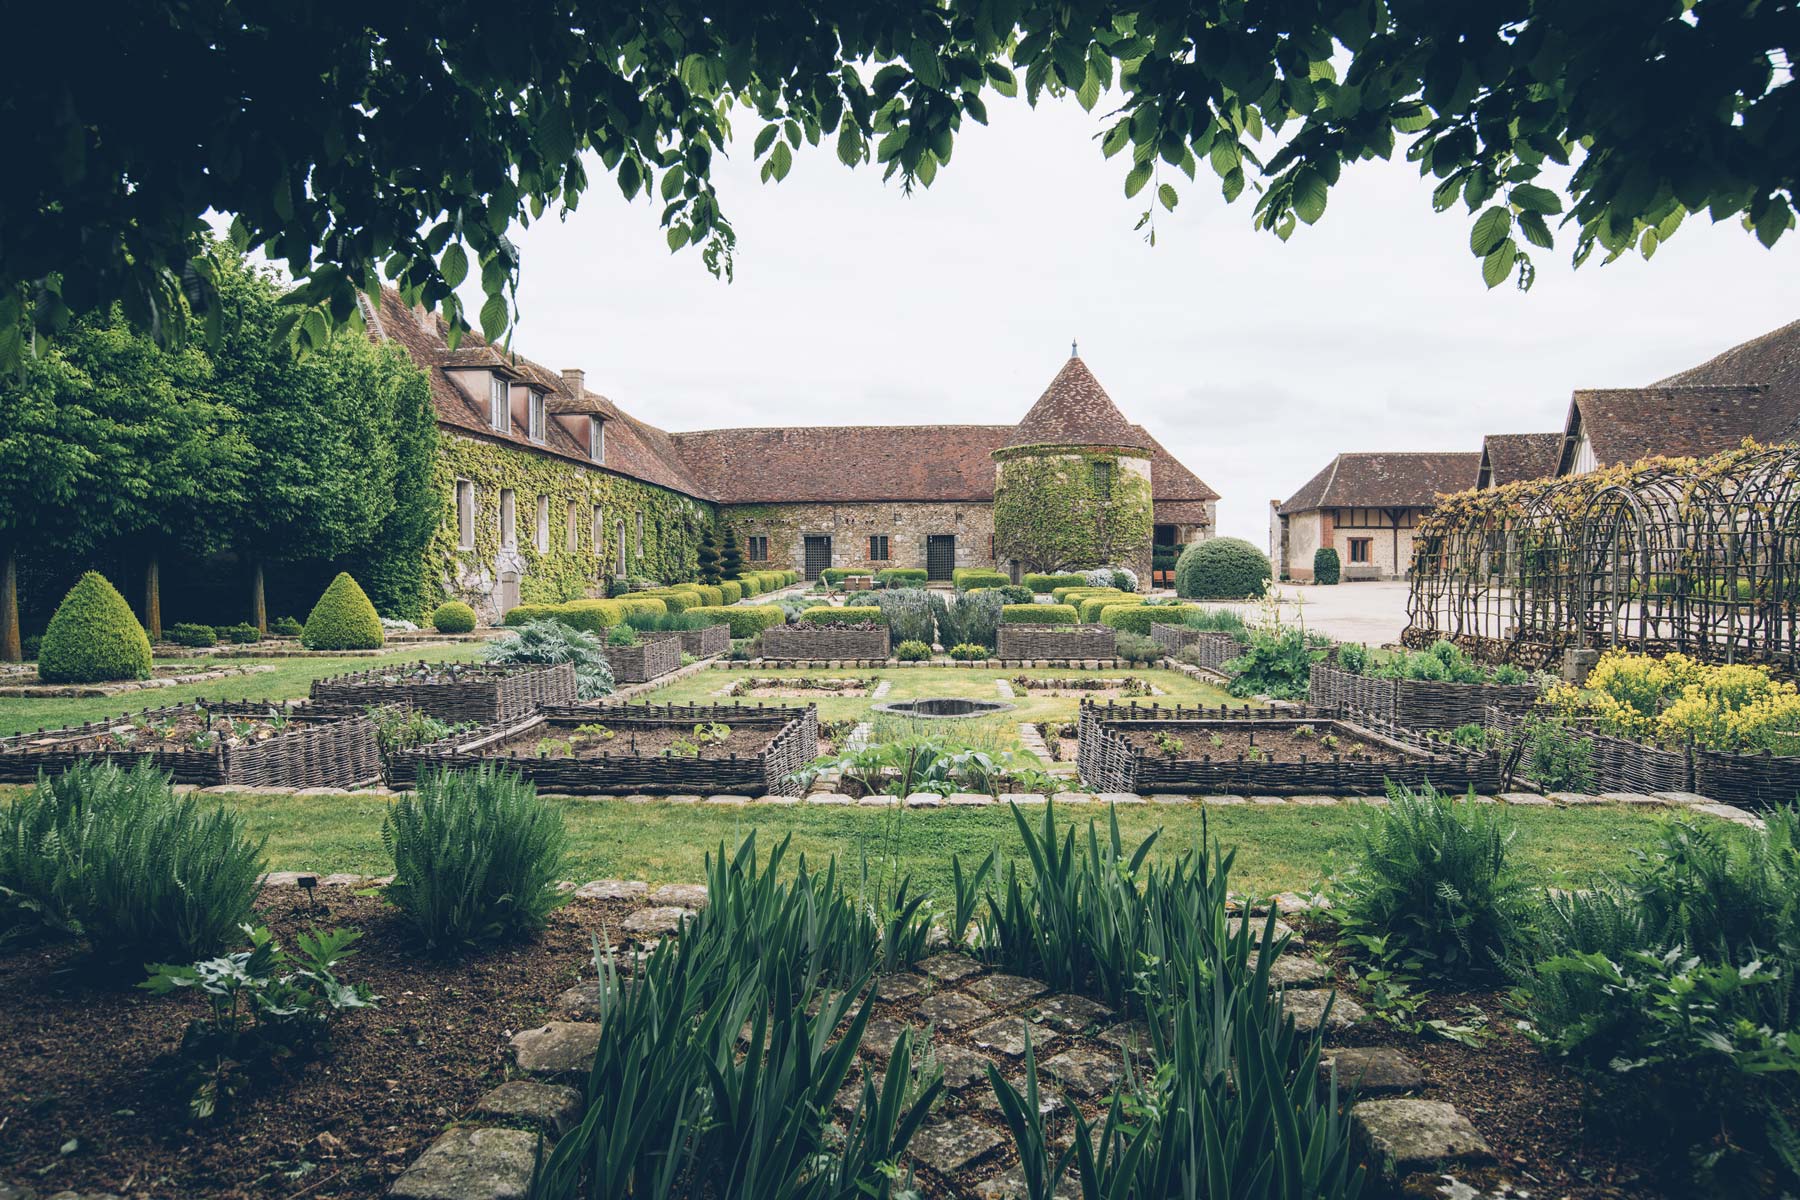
x=552, y=491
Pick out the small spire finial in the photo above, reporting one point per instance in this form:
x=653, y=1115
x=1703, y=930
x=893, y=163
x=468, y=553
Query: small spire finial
x=1073, y=352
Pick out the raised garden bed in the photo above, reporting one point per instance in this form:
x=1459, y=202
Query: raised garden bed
x=212, y=743
x=1416, y=703
x=1275, y=752
x=1212, y=648
x=480, y=692
x=777, y=686
x=1056, y=642
x=824, y=643
x=636, y=749
x=706, y=642
x=653, y=656
x=1097, y=687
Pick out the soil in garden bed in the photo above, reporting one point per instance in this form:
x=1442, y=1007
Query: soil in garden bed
x=554, y=741
x=1275, y=744
x=803, y=688
x=192, y=730
x=91, y=1066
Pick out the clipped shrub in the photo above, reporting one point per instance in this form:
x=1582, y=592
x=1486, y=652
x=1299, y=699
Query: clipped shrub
x=453, y=616
x=969, y=652
x=907, y=612
x=711, y=595
x=1125, y=579
x=730, y=591
x=1221, y=569
x=1012, y=593
x=901, y=577
x=343, y=619
x=637, y=603
x=1326, y=567
x=476, y=857
x=115, y=857
x=1138, y=618
x=1431, y=885
x=746, y=620
x=1049, y=583
x=973, y=577
x=824, y=614
x=94, y=637
x=551, y=641
x=749, y=585
x=971, y=618
x=243, y=633
x=185, y=633
x=912, y=651
x=285, y=627
x=1073, y=595
x=1039, y=614
x=1137, y=649
x=1091, y=608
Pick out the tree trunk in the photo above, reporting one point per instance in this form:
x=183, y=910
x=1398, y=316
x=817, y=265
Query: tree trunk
x=259, y=610
x=11, y=648
x=153, y=597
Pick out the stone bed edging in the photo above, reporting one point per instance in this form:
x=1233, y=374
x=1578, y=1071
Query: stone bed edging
x=92, y=691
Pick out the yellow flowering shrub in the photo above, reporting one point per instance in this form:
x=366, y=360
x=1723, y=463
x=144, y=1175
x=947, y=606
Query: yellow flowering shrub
x=1674, y=699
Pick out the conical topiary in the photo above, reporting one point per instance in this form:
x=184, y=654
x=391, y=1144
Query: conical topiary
x=731, y=558
x=94, y=637
x=708, y=556
x=343, y=619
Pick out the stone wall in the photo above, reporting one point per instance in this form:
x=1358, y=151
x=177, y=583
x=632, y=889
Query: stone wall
x=906, y=525
x=1390, y=548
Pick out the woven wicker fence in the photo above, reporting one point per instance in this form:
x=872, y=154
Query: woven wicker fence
x=1059, y=642
x=480, y=692
x=1109, y=763
x=793, y=742
x=825, y=642
x=1621, y=764
x=654, y=655
x=1751, y=780
x=319, y=748
x=704, y=643
x=1416, y=703
x=1212, y=648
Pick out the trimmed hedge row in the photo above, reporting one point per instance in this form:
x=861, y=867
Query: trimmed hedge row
x=1039, y=614
x=1137, y=618
x=1091, y=607
x=730, y=591
x=592, y=615
x=902, y=577
x=746, y=620
x=967, y=578
x=1075, y=595
x=1049, y=583
x=824, y=614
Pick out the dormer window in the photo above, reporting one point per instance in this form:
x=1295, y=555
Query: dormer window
x=535, y=408
x=499, y=408
x=597, y=439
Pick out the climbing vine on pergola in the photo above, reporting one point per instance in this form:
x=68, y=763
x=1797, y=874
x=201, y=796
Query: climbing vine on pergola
x=1696, y=556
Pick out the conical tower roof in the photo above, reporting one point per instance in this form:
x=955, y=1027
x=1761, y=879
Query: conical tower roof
x=1076, y=411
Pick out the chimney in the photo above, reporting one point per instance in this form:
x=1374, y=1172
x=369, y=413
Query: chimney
x=574, y=380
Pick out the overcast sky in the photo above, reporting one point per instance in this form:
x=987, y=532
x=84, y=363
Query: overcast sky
x=1252, y=360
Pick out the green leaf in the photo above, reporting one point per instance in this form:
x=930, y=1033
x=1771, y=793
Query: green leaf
x=1139, y=176
x=1309, y=194
x=850, y=144
x=1233, y=186
x=455, y=264
x=1225, y=156
x=1166, y=194
x=1491, y=228
x=493, y=318
x=1536, y=230
x=1116, y=137
x=1532, y=198
x=1499, y=263
x=1088, y=94
x=1773, y=221
x=678, y=237
x=765, y=139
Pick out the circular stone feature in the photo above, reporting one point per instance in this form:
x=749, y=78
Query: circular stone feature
x=943, y=708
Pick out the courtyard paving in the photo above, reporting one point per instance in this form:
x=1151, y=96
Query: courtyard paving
x=1373, y=612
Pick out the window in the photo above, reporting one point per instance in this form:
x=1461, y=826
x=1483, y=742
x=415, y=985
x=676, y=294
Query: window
x=543, y=525
x=573, y=532
x=759, y=549
x=1103, y=477
x=509, y=530
x=620, y=568
x=465, y=515
x=535, y=412
x=640, y=533
x=878, y=547
x=597, y=439
x=599, y=532
x=499, y=408
x=1359, y=550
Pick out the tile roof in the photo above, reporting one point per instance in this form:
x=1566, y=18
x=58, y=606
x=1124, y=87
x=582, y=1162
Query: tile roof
x=1386, y=479
x=1772, y=360
x=1624, y=425
x=1076, y=411
x=1510, y=457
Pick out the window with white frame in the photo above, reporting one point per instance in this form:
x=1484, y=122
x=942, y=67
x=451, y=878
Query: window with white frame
x=640, y=533
x=597, y=439
x=619, y=569
x=509, y=529
x=535, y=413
x=574, y=531
x=599, y=533
x=465, y=515
x=543, y=525
x=499, y=404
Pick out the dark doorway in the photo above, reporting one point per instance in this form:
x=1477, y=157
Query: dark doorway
x=940, y=555
x=1164, y=535
x=818, y=555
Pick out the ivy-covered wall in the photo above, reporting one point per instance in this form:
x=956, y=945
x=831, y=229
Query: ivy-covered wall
x=671, y=527
x=1072, y=509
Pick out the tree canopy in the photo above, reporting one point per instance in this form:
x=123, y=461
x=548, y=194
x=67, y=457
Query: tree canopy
x=404, y=142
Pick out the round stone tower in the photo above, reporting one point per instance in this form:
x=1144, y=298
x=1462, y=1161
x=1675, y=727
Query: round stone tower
x=1072, y=484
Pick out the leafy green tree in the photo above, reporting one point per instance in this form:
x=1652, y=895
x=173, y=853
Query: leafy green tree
x=1617, y=124
x=731, y=557
x=708, y=556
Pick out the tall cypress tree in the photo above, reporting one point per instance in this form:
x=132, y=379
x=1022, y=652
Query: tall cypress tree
x=731, y=559
x=708, y=556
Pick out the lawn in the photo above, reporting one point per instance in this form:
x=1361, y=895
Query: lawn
x=291, y=678
x=1279, y=848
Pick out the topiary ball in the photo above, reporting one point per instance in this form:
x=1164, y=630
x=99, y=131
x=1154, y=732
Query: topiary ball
x=343, y=619
x=1326, y=567
x=94, y=637
x=453, y=616
x=1221, y=569
x=912, y=651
